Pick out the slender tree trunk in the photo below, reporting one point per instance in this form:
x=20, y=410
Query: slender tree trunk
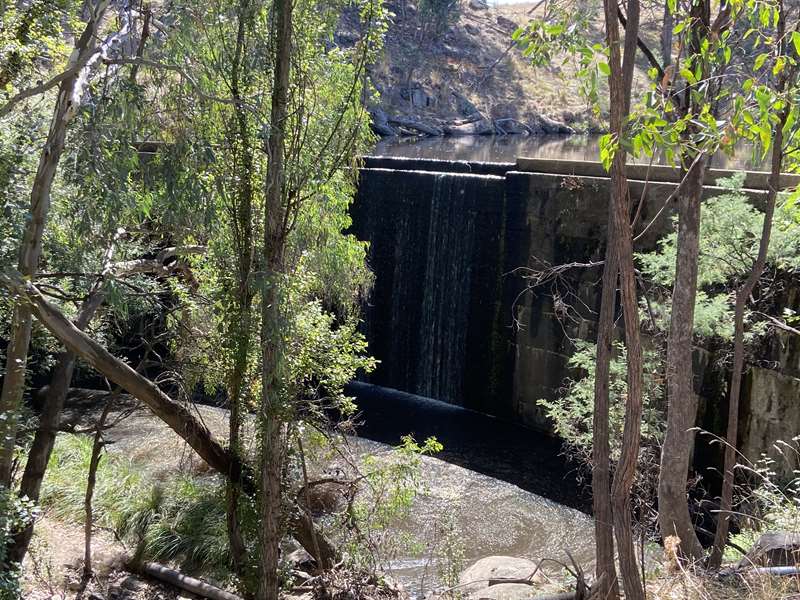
x=667, y=25
x=605, y=571
x=242, y=219
x=91, y=480
x=273, y=325
x=31, y=249
x=621, y=238
x=728, y=478
x=673, y=508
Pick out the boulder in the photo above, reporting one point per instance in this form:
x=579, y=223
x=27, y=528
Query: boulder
x=464, y=106
x=478, y=4
x=506, y=24
x=548, y=125
x=774, y=549
x=510, y=126
x=477, y=577
x=380, y=122
x=480, y=127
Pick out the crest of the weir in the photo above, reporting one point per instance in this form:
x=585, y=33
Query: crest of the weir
x=449, y=316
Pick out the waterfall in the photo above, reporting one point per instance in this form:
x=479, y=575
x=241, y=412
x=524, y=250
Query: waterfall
x=446, y=286
x=424, y=231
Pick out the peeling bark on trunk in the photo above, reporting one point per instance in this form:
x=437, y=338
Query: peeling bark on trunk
x=620, y=238
x=31, y=249
x=606, y=571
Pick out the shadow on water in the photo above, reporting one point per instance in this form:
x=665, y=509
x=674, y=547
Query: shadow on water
x=494, y=447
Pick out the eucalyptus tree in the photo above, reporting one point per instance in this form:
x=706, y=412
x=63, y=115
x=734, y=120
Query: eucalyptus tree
x=620, y=243
x=771, y=128
x=283, y=112
x=70, y=82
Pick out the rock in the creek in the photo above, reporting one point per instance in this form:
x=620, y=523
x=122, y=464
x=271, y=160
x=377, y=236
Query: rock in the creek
x=380, y=122
x=476, y=578
x=464, y=105
x=549, y=125
x=774, y=549
x=480, y=127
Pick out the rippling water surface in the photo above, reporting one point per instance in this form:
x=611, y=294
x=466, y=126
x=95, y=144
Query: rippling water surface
x=491, y=516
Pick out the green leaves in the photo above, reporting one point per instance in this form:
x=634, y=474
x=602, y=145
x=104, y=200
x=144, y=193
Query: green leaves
x=609, y=145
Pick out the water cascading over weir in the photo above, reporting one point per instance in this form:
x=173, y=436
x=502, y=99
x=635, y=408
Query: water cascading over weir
x=451, y=316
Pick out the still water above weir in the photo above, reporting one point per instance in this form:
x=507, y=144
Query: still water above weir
x=507, y=148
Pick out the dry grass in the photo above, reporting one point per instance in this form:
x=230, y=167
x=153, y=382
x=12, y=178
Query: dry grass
x=686, y=586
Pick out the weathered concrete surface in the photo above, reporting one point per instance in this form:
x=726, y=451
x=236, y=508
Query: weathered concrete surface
x=450, y=316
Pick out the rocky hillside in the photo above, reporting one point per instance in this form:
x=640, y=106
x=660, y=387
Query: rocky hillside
x=469, y=79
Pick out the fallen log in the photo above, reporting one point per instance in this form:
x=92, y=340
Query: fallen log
x=184, y=582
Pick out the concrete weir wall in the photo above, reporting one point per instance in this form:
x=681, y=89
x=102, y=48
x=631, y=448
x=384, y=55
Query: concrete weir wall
x=451, y=316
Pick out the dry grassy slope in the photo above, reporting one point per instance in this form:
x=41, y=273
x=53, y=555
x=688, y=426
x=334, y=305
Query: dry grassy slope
x=472, y=58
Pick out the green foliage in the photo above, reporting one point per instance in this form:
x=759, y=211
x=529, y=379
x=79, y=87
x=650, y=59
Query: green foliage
x=15, y=514
x=181, y=519
x=562, y=31
x=730, y=232
x=391, y=483
x=572, y=412
x=771, y=503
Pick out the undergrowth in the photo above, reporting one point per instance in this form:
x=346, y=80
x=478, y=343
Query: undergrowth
x=181, y=520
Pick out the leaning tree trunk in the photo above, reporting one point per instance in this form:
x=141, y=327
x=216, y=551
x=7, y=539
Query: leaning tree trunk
x=728, y=478
x=621, y=238
x=272, y=308
x=44, y=439
x=673, y=507
x=175, y=415
x=31, y=249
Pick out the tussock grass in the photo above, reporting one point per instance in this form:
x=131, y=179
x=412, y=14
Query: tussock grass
x=180, y=520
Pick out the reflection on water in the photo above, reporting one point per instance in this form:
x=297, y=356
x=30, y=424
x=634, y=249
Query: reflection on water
x=508, y=148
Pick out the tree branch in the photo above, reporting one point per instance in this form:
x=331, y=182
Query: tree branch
x=651, y=58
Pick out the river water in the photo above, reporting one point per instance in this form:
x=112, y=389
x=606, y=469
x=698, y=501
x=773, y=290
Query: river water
x=503, y=489
x=508, y=148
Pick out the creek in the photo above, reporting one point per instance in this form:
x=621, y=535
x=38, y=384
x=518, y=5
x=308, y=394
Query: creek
x=499, y=488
